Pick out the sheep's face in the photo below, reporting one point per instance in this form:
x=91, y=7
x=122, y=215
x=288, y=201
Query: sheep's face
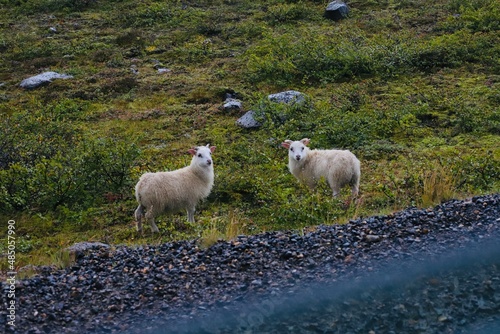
x=202, y=155
x=297, y=150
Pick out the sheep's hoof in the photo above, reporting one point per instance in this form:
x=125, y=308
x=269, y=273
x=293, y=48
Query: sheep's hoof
x=139, y=230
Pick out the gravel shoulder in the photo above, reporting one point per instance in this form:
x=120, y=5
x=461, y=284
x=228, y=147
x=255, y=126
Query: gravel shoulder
x=416, y=271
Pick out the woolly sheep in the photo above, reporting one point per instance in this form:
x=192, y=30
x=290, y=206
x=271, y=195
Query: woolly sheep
x=338, y=167
x=173, y=191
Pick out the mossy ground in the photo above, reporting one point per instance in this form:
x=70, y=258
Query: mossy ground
x=412, y=88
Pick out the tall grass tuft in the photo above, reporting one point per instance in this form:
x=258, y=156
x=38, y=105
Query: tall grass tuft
x=438, y=186
x=224, y=230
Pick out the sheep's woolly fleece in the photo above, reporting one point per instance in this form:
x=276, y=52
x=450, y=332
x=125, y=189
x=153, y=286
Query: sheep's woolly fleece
x=182, y=189
x=338, y=167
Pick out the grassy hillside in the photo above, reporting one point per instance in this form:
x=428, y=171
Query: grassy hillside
x=411, y=87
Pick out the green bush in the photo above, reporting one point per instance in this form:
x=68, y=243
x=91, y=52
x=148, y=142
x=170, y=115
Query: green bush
x=290, y=13
x=476, y=171
x=29, y=136
x=48, y=161
x=304, y=57
x=47, y=6
x=352, y=123
x=150, y=15
x=477, y=16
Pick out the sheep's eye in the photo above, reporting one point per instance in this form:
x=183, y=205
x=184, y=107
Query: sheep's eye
x=291, y=149
x=199, y=155
x=302, y=149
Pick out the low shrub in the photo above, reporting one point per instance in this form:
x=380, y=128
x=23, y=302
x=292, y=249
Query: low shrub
x=47, y=6
x=290, y=13
x=303, y=57
x=334, y=126
x=48, y=161
x=477, y=16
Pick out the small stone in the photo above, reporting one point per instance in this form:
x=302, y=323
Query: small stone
x=442, y=318
x=372, y=238
x=232, y=105
x=257, y=282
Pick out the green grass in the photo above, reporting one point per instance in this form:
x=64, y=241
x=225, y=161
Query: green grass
x=412, y=88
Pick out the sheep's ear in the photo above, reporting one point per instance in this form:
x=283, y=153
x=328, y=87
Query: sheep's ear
x=212, y=149
x=305, y=141
x=192, y=151
x=286, y=144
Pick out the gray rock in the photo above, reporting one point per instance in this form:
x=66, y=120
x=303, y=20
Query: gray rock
x=288, y=97
x=157, y=64
x=336, y=10
x=42, y=79
x=248, y=120
x=81, y=247
x=232, y=105
x=372, y=238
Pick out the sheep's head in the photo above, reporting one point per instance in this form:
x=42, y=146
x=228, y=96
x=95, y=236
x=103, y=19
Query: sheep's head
x=297, y=150
x=202, y=155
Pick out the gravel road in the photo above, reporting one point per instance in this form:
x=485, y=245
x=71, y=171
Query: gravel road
x=415, y=271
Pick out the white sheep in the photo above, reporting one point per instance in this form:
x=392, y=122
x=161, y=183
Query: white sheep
x=173, y=191
x=338, y=167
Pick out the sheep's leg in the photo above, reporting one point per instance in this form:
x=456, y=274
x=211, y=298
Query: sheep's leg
x=139, y=214
x=190, y=213
x=355, y=190
x=334, y=186
x=311, y=184
x=355, y=186
x=151, y=219
x=154, y=228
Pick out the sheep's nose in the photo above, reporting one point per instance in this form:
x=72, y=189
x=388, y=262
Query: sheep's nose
x=209, y=162
x=297, y=157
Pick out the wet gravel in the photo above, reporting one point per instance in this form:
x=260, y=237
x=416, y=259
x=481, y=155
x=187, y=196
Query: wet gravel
x=415, y=271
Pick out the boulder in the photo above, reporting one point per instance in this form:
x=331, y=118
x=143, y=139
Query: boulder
x=42, y=79
x=248, y=120
x=336, y=10
x=288, y=97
